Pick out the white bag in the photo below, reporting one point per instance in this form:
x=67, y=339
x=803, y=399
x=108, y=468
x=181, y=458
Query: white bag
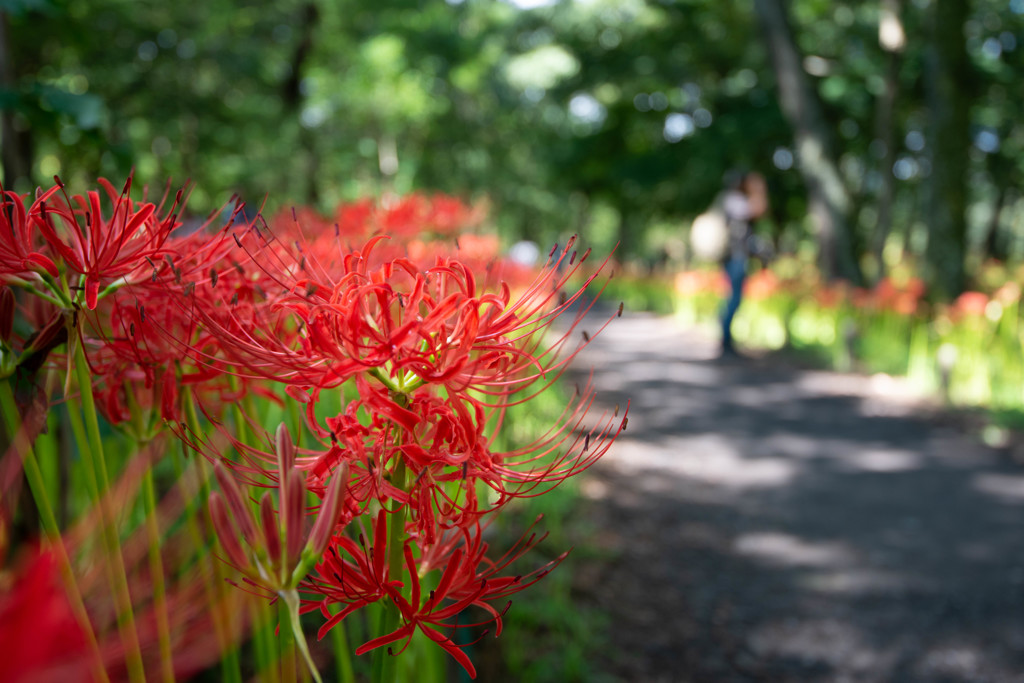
x=709, y=235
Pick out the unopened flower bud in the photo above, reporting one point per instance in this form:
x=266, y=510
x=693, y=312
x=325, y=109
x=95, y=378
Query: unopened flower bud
x=293, y=511
x=236, y=503
x=285, y=449
x=50, y=335
x=226, y=533
x=330, y=509
x=6, y=314
x=271, y=533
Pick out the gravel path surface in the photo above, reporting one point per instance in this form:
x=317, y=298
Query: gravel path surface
x=767, y=523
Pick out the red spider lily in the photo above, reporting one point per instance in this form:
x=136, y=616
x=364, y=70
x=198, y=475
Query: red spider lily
x=21, y=250
x=402, y=218
x=143, y=343
x=404, y=326
x=42, y=639
x=355, y=575
x=105, y=249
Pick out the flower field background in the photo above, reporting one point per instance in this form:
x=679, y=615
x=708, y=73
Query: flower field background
x=298, y=419
x=967, y=352
x=223, y=438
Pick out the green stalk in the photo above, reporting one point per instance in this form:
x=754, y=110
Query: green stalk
x=263, y=641
x=384, y=663
x=156, y=568
x=12, y=421
x=342, y=654
x=286, y=642
x=290, y=599
x=231, y=665
x=93, y=450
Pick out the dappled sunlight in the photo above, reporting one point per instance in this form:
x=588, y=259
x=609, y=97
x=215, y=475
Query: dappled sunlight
x=788, y=524
x=1005, y=488
x=709, y=459
x=886, y=460
x=780, y=549
x=818, y=641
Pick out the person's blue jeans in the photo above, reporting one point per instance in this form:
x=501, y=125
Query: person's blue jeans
x=736, y=271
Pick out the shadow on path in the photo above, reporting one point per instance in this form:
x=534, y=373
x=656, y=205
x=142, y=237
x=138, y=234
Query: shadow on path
x=773, y=524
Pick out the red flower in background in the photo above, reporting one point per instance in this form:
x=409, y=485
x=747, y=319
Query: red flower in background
x=42, y=639
x=970, y=304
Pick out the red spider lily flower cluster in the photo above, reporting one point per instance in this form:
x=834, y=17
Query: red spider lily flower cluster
x=425, y=341
x=428, y=359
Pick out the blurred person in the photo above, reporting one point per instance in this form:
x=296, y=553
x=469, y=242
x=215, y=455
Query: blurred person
x=744, y=201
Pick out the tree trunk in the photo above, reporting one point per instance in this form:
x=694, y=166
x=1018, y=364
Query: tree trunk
x=892, y=40
x=948, y=87
x=15, y=145
x=829, y=199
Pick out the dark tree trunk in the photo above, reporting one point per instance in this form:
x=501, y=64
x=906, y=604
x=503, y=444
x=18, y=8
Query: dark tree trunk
x=828, y=198
x=948, y=86
x=892, y=41
x=15, y=144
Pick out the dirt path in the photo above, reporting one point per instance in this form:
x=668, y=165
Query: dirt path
x=773, y=524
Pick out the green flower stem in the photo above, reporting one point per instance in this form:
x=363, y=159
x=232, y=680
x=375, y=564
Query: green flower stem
x=231, y=665
x=92, y=450
x=342, y=654
x=290, y=599
x=286, y=641
x=156, y=568
x=384, y=663
x=12, y=421
x=263, y=641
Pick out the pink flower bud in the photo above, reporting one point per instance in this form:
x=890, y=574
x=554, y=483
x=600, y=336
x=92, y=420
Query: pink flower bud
x=285, y=450
x=50, y=335
x=293, y=510
x=331, y=507
x=225, y=530
x=271, y=534
x=236, y=503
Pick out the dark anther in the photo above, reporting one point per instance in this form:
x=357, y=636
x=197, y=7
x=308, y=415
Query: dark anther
x=586, y=336
x=213, y=277
x=619, y=314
